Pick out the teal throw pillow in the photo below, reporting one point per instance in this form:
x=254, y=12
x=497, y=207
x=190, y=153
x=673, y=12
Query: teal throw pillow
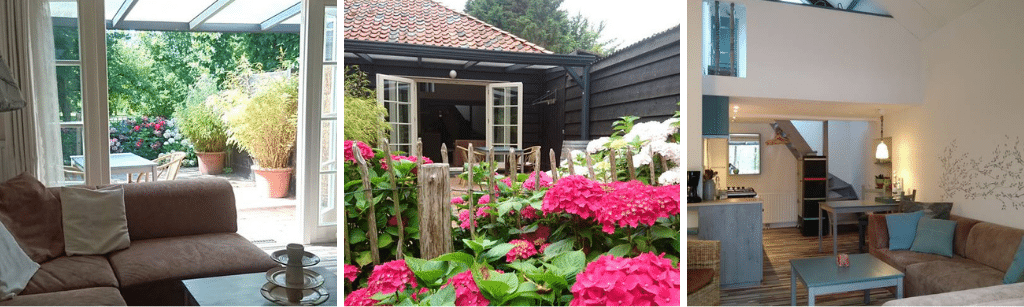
x=1015, y=273
x=934, y=236
x=902, y=229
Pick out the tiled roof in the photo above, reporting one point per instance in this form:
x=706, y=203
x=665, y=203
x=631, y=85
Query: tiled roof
x=425, y=22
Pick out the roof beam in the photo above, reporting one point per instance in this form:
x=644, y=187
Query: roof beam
x=466, y=54
x=853, y=4
x=365, y=57
x=123, y=11
x=281, y=17
x=213, y=9
x=515, y=67
x=470, y=64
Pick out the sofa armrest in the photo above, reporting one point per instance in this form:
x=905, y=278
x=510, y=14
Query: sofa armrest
x=878, y=232
x=179, y=208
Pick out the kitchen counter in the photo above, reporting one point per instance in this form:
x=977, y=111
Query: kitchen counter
x=737, y=224
x=727, y=201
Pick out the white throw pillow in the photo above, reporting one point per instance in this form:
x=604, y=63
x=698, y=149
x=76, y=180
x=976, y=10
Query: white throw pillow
x=16, y=269
x=94, y=220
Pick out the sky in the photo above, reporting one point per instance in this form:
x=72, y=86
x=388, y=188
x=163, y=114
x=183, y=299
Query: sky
x=626, y=21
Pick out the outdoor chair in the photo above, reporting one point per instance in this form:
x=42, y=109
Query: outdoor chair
x=73, y=173
x=168, y=163
x=530, y=154
x=703, y=260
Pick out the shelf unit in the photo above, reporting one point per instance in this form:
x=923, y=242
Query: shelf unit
x=813, y=183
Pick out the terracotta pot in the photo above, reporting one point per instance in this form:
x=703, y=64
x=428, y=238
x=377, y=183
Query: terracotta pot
x=211, y=163
x=274, y=180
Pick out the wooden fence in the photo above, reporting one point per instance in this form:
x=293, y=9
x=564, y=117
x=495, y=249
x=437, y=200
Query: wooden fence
x=434, y=192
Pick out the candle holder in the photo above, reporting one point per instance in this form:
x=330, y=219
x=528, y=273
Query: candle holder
x=293, y=284
x=843, y=260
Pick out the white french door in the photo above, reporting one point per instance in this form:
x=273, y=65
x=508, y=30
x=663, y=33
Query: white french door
x=319, y=132
x=398, y=95
x=504, y=116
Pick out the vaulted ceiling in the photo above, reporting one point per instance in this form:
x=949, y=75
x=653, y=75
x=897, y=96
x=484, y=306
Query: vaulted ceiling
x=923, y=17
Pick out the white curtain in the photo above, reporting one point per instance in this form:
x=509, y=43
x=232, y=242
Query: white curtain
x=32, y=134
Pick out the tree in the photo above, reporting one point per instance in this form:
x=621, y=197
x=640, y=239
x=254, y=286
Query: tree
x=541, y=22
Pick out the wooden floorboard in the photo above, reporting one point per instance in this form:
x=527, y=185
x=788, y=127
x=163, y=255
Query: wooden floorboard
x=783, y=244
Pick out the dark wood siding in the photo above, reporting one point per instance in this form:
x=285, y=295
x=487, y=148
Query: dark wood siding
x=641, y=80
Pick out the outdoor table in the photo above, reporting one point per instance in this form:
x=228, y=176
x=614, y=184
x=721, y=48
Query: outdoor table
x=503, y=151
x=122, y=163
x=835, y=208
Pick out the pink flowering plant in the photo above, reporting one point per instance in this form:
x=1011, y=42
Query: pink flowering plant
x=357, y=206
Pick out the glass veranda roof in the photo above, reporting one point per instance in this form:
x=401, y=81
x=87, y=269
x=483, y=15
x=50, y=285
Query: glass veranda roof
x=197, y=15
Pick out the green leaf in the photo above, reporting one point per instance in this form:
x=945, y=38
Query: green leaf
x=392, y=230
x=507, y=205
x=550, y=279
x=496, y=289
x=431, y=272
x=620, y=250
x=524, y=267
x=384, y=240
x=530, y=229
x=364, y=258
x=444, y=297
x=356, y=236
x=557, y=248
x=661, y=232
x=475, y=246
x=458, y=257
x=509, y=279
x=570, y=263
x=499, y=251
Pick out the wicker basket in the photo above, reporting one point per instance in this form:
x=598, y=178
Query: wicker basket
x=705, y=255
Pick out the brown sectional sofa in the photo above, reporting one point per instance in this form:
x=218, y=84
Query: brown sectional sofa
x=178, y=229
x=982, y=252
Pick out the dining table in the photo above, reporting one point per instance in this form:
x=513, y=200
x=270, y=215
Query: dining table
x=835, y=208
x=509, y=152
x=123, y=163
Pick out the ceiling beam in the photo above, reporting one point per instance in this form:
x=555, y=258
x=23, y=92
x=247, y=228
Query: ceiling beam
x=213, y=9
x=281, y=17
x=853, y=4
x=123, y=11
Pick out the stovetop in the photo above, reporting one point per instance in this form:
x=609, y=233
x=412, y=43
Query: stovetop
x=740, y=192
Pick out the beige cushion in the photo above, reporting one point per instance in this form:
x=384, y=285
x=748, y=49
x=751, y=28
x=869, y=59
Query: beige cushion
x=33, y=217
x=70, y=273
x=104, y=296
x=94, y=220
x=186, y=257
x=15, y=267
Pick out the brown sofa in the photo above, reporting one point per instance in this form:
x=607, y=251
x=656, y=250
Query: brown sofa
x=982, y=252
x=178, y=229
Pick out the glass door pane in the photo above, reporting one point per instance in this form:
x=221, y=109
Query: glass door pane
x=64, y=15
x=504, y=105
x=398, y=96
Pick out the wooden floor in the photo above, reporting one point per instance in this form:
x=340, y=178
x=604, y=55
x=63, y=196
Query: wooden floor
x=783, y=244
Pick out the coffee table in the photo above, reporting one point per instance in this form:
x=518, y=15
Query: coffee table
x=821, y=275
x=244, y=289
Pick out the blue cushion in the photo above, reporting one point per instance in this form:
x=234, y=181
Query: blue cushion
x=934, y=236
x=902, y=229
x=1015, y=273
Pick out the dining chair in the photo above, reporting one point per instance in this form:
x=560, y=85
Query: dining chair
x=529, y=155
x=168, y=163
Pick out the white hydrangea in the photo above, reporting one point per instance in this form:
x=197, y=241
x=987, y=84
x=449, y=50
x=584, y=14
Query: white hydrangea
x=670, y=151
x=597, y=145
x=649, y=131
x=672, y=123
x=669, y=177
x=170, y=140
x=642, y=158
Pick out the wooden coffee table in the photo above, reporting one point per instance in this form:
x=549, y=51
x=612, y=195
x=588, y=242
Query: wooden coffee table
x=244, y=289
x=821, y=275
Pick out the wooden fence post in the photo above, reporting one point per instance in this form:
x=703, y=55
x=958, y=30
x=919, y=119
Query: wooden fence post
x=491, y=168
x=435, y=211
x=536, y=170
x=611, y=162
x=394, y=198
x=629, y=163
x=654, y=179
x=590, y=166
x=372, y=212
x=554, y=165
x=444, y=153
x=472, y=206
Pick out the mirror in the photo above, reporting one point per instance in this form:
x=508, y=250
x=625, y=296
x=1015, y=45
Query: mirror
x=744, y=154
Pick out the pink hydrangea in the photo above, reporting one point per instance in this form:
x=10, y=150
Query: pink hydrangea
x=384, y=164
x=364, y=150
x=351, y=272
x=464, y=219
x=361, y=297
x=633, y=203
x=647, y=280
x=523, y=249
x=543, y=247
x=483, y=200
x=575, y=195
x=507, y=181
x=458, y=200
x=528, y=213
x=422, y=290
x=482, y=211
x=466, y=291
x=391, y=277
x=531, y=182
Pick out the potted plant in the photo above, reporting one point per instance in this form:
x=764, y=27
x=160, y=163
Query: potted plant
x=266, y=126
x=203, y=126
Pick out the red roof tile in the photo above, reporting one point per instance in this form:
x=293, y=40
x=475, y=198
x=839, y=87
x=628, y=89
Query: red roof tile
x=425, y=22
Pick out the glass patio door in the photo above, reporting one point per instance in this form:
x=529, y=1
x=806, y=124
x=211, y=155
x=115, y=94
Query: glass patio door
x=504, y=114
x=398, y=95
x=318, y=182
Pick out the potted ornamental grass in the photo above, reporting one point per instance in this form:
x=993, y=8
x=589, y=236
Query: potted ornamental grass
x=203, y=126
x=266, y=126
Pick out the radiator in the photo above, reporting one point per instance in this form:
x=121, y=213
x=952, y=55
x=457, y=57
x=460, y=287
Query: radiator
x=779, y=207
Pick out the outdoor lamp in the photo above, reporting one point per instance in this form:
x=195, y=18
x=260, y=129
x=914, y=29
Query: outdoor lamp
x=452, y=74
x=882, y=151
x=10, y=95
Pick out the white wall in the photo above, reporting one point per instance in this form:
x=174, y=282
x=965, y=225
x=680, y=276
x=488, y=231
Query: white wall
x=694, y=105
x=967, y=133
x=846, y=152
x=811, y=131
x=799, y=52
x=778, y=166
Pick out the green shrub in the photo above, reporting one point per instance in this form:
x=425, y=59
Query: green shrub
x=364, y=117
x=266, y=125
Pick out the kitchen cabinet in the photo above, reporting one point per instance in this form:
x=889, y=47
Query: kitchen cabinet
x=715, y=120
x=736, y=223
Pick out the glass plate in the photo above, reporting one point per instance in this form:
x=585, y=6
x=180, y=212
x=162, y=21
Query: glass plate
x=309, y=297
x=310, y=279
x=308, y=259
